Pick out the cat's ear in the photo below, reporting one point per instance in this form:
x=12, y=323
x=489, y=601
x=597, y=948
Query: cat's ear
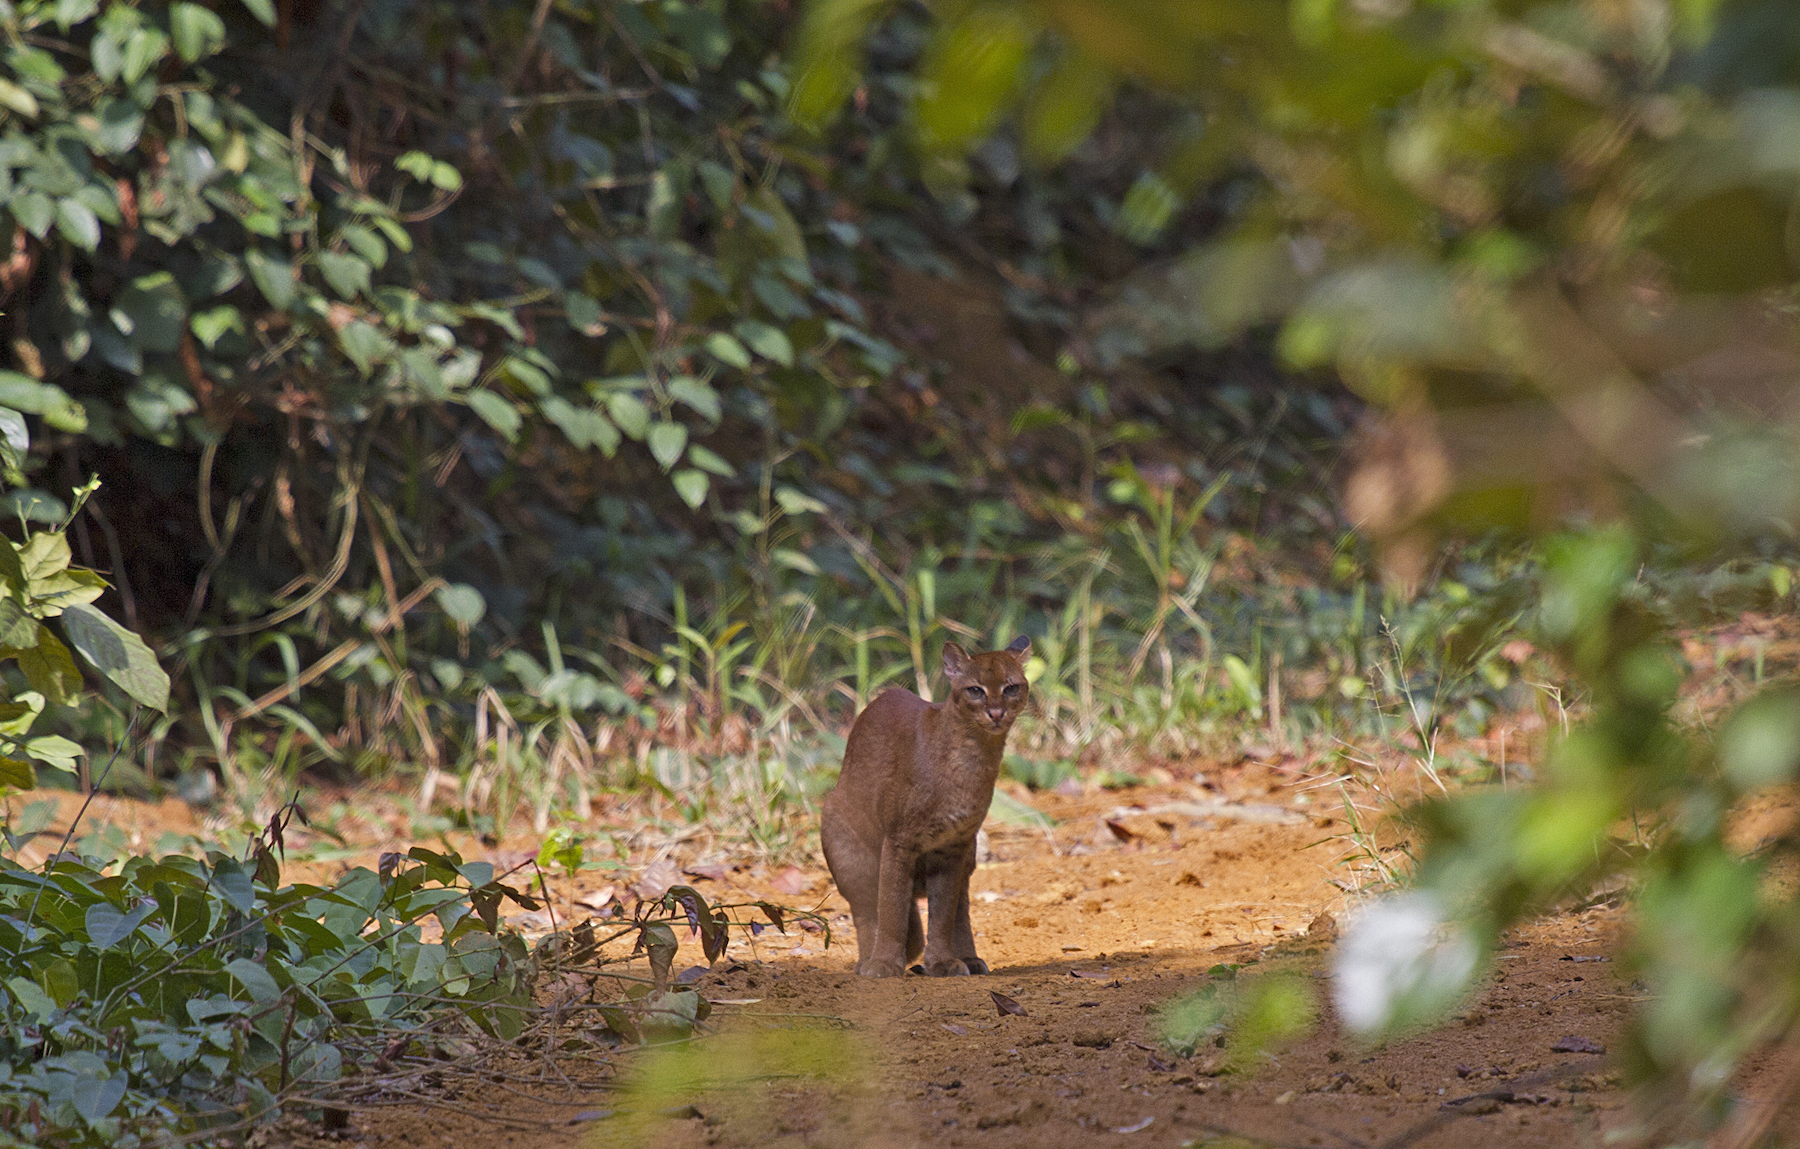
x=1019, y=646
x=956, y=661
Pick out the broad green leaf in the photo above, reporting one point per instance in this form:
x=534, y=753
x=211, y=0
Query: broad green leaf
x=794, y=560
x=495, y=411
x=691, y=486
x=144, y=48
x=72, y=12
x=17, y=774
x=796, y=503
x=970, y=72
x=33, y=506
x=1147, y=209
x=37, y=1004
x=35, y=212
x=96, y=1097
x=18, y=99
x=584, y=313
x=462, y=602
x=18, y=435
x=12, y=568
x=263, y=10
x=706, y=460
x=119, y=654
x=273, y=277
x=77, y=223
x=1066, y=106
x=197, y=31
x=768, y=342
x=254, y=978
x=44, y=554
x=772, y=217
x=50, y=669
x=629, y=413
x=365, y=344
x=697, y=394
x=726, y=349
x=59, y=592
x=667, y=441
x=107, y=927
x=211, y=325
x=347, y=274
x=55, y=751
x=152, y=312
x=233, y=883
x=121, y=123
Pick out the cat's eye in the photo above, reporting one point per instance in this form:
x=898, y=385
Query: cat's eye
x=976, y=693
x=1012, y=690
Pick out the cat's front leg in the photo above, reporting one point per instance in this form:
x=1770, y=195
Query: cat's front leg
x=894, y=913
x=962, y=934
x=947, y=894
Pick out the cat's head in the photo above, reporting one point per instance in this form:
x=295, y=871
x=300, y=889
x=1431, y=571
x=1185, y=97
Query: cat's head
x=988, y=690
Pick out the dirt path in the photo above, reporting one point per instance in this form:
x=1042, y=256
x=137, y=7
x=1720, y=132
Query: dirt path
x=1090, y=933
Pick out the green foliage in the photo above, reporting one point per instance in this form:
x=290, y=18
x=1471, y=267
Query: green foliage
x=1247, y=1017
x=178, y=995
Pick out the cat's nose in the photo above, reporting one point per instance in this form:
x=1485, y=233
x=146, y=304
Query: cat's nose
x=997, y=714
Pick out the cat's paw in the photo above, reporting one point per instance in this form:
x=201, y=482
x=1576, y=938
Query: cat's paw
x=954, y=967
x=876, y=967
x=976, y=965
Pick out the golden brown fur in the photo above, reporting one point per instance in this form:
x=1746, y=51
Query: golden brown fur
x=901, y=822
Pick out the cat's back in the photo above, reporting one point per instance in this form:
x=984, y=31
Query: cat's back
x=884, y=731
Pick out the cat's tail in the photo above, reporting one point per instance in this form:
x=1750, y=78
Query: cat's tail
x=915, y=936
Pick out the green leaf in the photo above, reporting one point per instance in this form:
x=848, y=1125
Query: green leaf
x=462, y=602
x=18, y=435
x=33, y=506
x=698, y=395
x=273, y=277
x=121, y=123
x=365, y=344
x=37, y=1004
x=18, y=99
x=495, y=411
x=1067, y=105
x=1147, y=209
x=794, y=560
x=796, y=503
x=706, y=460
x=691, y=486
x=233, y=883
x=667, y=441
x=119, y=654
x=55, y=751
x=211, y=325
x=23, y=393
x=44, y=554
x=152, y=313
x=72, y=12
x=768, y=342
x=415, y=164
x=145, y=47
x=584, y=313
x=347, y=274
x=96, y=1097
x=78, y=224
x=107, y=927
x=50, y=669
x=254, y=978
x=969, y=75
x=198, y=31
x=35, y=212
x=17, y=773
x=727, y=350
x=263, y=10
x=629, y=413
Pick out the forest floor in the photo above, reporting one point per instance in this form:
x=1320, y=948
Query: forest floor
x=1133, y=899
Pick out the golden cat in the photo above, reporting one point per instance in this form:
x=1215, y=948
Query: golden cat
x=901, y=822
